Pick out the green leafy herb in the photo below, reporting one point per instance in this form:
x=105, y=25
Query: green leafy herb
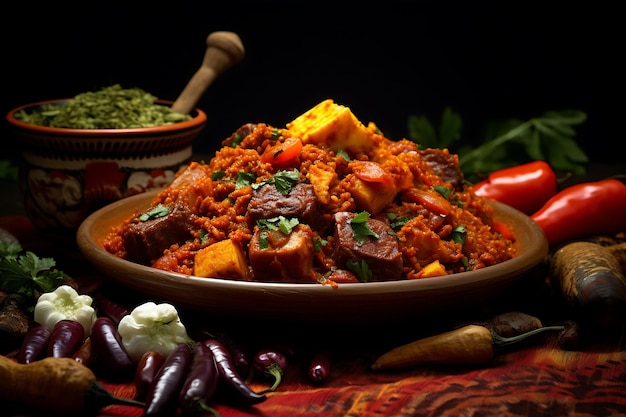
x=25, y=273
x=218, y=175
x=244, y=179
x=319, y=243
x=550, y=137
x=156, y=212
x=281, y=223
x=112, y=107
x=8, y=170
x=263, y=243
x=361, y=228
x=396, y=221
x=343, y=154
x=422, y=131
x=283, y=180
x=238, y=137
x=204, y=236
x=360, y=269
x=458, y=234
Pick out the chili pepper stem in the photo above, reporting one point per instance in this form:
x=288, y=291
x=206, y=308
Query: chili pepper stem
x=500, y=342
x=99, y=397
x=275, y=372
x=202, y=407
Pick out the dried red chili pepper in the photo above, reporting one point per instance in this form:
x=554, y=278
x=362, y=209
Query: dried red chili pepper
x=525, y=187
x=585, y=209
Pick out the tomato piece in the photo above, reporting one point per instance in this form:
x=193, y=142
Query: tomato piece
x=370, y=172
x=432, y=201
x=282, y=152
x=504, y=230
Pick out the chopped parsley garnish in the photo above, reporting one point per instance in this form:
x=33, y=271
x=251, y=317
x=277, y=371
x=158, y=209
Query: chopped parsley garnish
x=318, y=243
x=360, y=269
x=217, y=175
x=244, y=179
x=263, y=243
x=360, y=228
x=343, y=154
x=395, y=221
x=156, y=212
x=448, y=194
x=444, y=191
x=203, y=235
x=281, y=223
x=458, y=234
x=283, y=180
x=237, y=138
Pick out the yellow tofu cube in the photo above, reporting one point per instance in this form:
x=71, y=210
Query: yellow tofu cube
x=331, y=124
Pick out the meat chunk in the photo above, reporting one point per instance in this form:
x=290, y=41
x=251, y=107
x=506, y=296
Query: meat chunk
x=277, y=257
x=444, y=165
x=146, y=240
x=382, y=254
x=300, y=203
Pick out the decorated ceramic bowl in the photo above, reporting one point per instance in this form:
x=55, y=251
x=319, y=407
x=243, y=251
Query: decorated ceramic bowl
x=68, y=173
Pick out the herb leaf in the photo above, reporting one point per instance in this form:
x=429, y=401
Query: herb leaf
x=550, y=137
x=360, y=228
x=284, y=181
x=156, y=212
x=360, y=269
x=25, y=273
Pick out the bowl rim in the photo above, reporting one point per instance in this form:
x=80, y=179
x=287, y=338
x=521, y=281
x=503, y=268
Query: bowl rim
x=199, y=118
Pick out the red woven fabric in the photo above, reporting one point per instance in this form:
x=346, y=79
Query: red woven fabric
x=538, y=379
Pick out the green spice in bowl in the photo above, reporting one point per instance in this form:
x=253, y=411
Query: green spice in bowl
x=82, y=153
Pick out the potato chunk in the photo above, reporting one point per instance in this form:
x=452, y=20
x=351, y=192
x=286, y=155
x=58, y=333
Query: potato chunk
x=372, y=197
x=276, y=257
x=223, y=259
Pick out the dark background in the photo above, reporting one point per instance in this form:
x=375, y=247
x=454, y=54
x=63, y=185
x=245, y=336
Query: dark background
x=485, y=59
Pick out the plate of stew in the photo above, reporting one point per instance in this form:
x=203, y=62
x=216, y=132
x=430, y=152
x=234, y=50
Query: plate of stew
x=323, y=219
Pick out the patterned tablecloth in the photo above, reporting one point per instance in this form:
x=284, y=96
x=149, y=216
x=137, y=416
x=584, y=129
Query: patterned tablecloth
x=537, y=378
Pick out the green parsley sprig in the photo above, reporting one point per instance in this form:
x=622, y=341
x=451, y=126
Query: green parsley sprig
x=25, y=273
x=549, y=137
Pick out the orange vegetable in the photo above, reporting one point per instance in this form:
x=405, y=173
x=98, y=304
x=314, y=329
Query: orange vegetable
x=55, y=385
x=468, y=345
x=282, y=152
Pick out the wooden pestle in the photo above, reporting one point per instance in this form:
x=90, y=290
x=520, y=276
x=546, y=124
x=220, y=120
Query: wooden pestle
x=224, y=49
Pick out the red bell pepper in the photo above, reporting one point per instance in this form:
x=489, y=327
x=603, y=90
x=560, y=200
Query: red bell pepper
x=585, y=209
x=525, y=187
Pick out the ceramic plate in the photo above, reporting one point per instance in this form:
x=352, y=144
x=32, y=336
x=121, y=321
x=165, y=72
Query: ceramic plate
x=349, y=302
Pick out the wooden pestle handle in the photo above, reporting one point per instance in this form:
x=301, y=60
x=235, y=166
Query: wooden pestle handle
x=224, y=49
